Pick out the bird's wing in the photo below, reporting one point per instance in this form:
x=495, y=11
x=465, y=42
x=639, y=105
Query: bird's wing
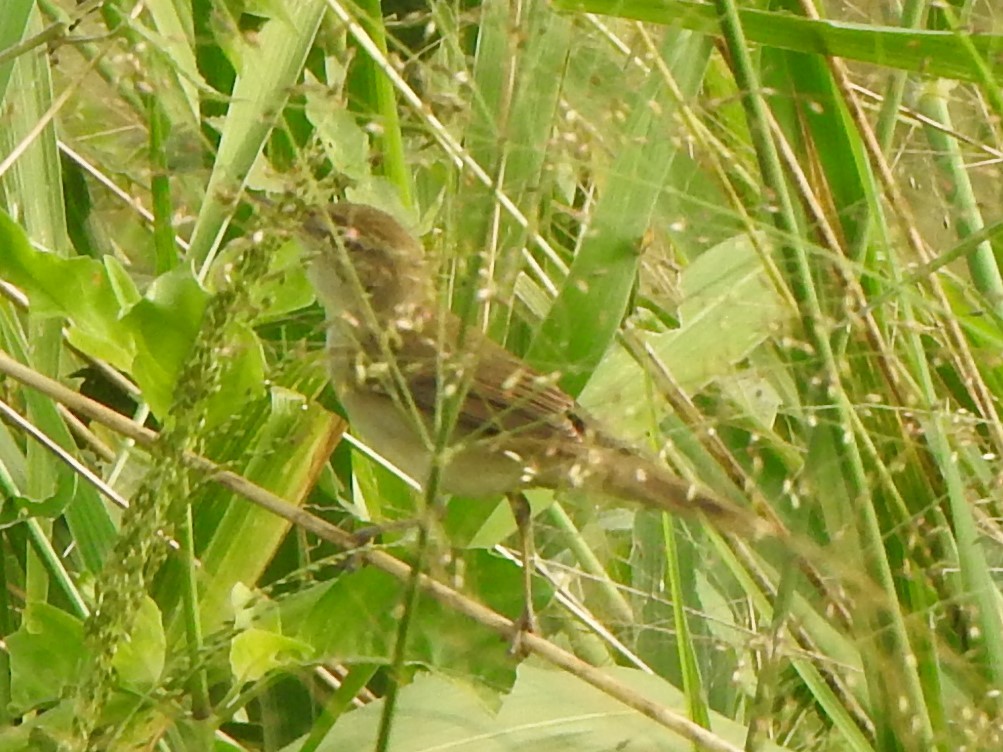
x=506, y=394
x=500, y=394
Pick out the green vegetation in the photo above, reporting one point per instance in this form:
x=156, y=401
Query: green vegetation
x=777, y=270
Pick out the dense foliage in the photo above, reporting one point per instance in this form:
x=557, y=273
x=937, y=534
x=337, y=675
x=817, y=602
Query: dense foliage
x=754, y=241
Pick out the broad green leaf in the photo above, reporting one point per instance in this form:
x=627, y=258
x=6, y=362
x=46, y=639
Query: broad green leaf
x=42, y=732
x=254, y=652
x=604, y=272
x=12, y=27
x=282, y=289
x=140, y=660
x=164, y=326
x=546, y=711
x=18, y=508
x=266, y=76
x=176, y=41
x=286, y=454
x=344, y=142
x=123, y=285
x=356, y=620
x=729, y=308
x=46, y=655
x=242, y=376
x=934, y=53
x=77, y=288
x=512, y=124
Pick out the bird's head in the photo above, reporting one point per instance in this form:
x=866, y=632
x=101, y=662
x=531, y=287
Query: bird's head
x=356, y=249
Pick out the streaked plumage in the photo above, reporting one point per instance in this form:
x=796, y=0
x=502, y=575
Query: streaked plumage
x=394, y=364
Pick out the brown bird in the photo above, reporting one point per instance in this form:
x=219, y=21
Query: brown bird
x=412, y=376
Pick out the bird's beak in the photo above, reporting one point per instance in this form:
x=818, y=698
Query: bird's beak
x=319, y=225
x=310, y=255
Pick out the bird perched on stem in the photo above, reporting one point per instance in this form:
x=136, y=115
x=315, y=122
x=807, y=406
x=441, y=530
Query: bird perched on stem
x=417, y=383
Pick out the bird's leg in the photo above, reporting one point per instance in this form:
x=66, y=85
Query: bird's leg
x=524, y=522
x=366, y=535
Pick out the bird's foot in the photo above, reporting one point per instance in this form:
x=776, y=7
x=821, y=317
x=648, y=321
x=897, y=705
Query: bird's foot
x=366, y=535
x=524, y=625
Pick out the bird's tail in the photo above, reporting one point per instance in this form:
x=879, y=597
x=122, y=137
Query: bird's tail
x=633, y=477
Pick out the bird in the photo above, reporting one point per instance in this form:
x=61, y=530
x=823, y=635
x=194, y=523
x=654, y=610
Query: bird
x=425, y=390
